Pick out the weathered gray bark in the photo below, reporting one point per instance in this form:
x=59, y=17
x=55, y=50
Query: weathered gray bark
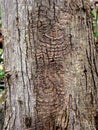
x=50, y=65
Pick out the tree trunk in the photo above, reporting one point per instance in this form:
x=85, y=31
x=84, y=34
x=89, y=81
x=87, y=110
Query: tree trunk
x=50, y=65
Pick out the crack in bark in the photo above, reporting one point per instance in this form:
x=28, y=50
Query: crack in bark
x=85, y=72
x=89, y=61
x=19, y=36
x=8, y=122
x=51, y=39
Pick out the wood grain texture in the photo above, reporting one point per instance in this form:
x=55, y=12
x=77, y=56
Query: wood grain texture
x=51, y=79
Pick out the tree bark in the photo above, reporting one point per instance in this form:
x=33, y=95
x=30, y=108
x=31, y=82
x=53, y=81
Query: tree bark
x=50, y=65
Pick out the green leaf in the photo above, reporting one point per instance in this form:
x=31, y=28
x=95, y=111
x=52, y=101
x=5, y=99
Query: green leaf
x=96, y=16
x=2, y=74
x=93, y=12
x=94, y=24
x=96, y=33
x=1, y=50
x=1, y=71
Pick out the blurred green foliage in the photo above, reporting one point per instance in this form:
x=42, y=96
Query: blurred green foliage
x=94, y=13
x=1, y=65
x=1, y=61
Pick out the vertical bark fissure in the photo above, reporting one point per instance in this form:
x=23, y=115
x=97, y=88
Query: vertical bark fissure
x=28, y=86
x=19, y=39
x=85, y=72
x=8, y=122
x=95, y=64
x=90, y=65
x=9, y=86
x=53, y=59
x=29, y=37
x=96, y=121
x=14, y=120
x=28, y=45
x=90, y=60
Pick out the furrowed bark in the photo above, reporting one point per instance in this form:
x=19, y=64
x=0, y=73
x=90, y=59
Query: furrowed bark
x=50, y=65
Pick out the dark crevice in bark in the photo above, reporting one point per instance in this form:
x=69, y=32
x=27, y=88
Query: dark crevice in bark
x=96, y=47
x=92, y=98
x=49, y=2
x=85, y=72
x=28, y=122
x=29, y=110
x=95, y=64
x=50, y=43
x=29, y=35
x=8, y=80
x=14, y=121
x=8, y=121
x=96, y=121
x=90, y=50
